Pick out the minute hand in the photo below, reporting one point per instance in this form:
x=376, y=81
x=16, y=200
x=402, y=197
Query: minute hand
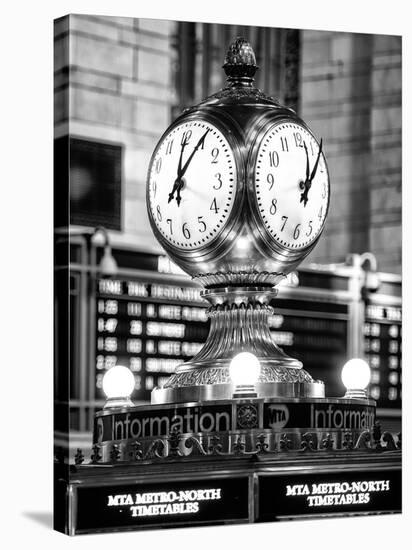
x=182, y=172
x=317, y=162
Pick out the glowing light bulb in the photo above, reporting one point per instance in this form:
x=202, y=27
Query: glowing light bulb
x=118, y=385
x=244, y=369
x=356, y=375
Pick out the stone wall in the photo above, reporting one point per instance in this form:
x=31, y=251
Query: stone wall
x=113, y=83
x=351, y=96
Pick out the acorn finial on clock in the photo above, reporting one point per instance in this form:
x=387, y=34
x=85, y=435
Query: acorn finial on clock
x=240, y=60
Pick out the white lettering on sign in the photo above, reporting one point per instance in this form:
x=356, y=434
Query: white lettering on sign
x=165, y=503
x=137, y=289
x=339, y=418
x=110, y=286
x=170, y=312
x=194, y=314
x=380, y=312
x=134, y=309
x=107, y=306
x=283, y=338
x=170, y=292
x=168, y=330
x=278, y=416
x=276, y=321
x=192, y=420
x=136, y=327
x=134, y=345
x=161, y=364
x=338, y=494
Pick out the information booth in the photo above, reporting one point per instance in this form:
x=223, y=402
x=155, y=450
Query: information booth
x=150, y=317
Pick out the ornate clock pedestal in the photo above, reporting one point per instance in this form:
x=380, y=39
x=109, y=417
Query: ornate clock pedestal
x=239, y=322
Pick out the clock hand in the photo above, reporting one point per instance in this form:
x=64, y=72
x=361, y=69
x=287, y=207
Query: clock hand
x=307, y=162
x=317, y=162
x=305, y=185
x=308, y=182
x=178, y=197
x=179, y=170
x=200, y=142
x=172, y=192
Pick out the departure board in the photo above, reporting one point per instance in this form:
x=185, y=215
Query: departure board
x=148, y=327
x=316, y=333
x=152, y=327
x=382, y=333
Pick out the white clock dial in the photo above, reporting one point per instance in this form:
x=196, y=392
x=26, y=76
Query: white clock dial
x=292, y=185
x=192, y=178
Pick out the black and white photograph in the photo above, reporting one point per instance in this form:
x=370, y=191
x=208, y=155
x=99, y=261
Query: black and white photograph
x=228, y=270
x=205, y=302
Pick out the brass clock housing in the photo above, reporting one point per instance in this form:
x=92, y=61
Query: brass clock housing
x=243, y=114
x=241, y=266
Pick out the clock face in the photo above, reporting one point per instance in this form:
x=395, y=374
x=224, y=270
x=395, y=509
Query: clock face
x=191, y=184
x=291, y=185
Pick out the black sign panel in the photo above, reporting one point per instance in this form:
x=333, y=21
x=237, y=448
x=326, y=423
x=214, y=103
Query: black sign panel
x=283, y=496
x=186, y=502
x=316, y=333
x=318, y=415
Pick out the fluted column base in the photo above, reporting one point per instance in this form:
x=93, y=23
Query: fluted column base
x=239, y=322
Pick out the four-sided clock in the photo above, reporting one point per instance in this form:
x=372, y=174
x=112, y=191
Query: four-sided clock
x=237, y=195
x=198, y=206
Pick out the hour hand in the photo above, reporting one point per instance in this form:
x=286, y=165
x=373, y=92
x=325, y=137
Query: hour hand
x=179, y=172
x=175, y=186
x=304, y=195
x=178, y=197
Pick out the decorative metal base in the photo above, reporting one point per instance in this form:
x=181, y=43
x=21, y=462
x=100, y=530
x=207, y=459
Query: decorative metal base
x=342, y=423
x=239, y=322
